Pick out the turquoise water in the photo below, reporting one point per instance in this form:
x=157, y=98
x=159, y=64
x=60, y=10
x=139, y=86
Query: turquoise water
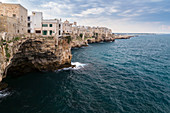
x=131, y=76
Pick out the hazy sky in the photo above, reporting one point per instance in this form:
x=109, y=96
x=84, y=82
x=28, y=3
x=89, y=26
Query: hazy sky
x=119, y=15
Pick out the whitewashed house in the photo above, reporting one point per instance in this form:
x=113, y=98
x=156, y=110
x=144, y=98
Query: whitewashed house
x=52, y=27
x=35, y=23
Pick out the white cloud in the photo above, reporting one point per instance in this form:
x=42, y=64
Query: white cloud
x=9, y=1
x=93, y=11
x=119, y=15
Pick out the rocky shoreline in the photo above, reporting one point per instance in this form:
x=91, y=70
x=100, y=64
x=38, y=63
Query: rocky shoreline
x=41, y=54
x=81, y=43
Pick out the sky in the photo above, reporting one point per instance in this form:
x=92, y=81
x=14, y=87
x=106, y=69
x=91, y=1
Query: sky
x=122, y=16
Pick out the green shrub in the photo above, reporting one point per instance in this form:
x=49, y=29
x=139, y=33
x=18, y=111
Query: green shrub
x=69, y=39
x=97, y=34
x=16, y=38
x=7, y=53
x=81, y=35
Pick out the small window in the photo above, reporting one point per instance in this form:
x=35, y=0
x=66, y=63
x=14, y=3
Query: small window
x=29, y=31
x=44, y=25
x=51, y=25
x=51, y=32
x=38, y=31
x=45, y=32
x=29, y=18
x=21, y=18
x=2, y=15
x=29, y=25
x=14, y=15
x=59, y=32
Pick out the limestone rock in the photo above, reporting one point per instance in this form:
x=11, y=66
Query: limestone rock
x=34, y=54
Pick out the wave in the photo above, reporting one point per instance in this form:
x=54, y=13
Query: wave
x=77, y=65
x=4, y=93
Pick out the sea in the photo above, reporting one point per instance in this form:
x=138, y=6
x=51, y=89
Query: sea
x=124, y=76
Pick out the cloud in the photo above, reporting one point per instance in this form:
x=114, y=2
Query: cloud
x=93, y=11
x=120, y=15
x=9, y=1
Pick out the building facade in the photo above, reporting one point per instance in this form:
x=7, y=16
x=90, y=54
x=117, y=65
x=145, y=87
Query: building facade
x=67, y=27
x=35, y=23
x=52, y=27
x=18, y=16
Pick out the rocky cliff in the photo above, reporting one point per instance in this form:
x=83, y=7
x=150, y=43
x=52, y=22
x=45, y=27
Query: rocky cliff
x=77, y=42
x=21, y=56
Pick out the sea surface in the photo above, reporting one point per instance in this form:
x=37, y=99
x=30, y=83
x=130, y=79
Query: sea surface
x=125, y=76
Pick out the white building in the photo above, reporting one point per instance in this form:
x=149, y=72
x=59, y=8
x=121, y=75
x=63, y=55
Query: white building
x=45, y=27
x=67, y=27
x=35, y=22
x=51, y=27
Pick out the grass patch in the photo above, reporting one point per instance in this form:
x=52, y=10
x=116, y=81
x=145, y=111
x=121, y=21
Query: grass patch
x=16, y=38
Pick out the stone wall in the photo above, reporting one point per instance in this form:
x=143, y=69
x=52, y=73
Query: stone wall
x=17, y=12
x=8, y=25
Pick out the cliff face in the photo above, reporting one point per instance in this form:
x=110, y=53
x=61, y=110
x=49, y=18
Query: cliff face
x=79, y=43
x=22, y=55
x=36, y=54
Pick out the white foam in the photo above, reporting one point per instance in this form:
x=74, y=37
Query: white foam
x=4, y=93
x=78, y=65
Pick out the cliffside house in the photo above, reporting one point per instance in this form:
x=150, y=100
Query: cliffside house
x=35, y=23
x=13, y=18
x=67, y=27
x=51, y=27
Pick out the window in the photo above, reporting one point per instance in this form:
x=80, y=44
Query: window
x=45, y=32
x=29, y=18
x=14, y=15
x=21, y=18
x=51, y=25
x=44, y=25
x=59, y=26
x=29, y=31
x=38, y=31
x=29, y=25
x=2, y=15
x=51, y=32
x=59, y=32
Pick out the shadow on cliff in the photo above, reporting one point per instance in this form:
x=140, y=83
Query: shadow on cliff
x=35, y=56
